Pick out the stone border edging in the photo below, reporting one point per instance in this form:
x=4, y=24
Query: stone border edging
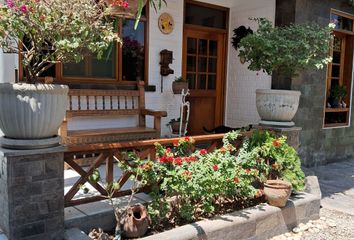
x=259, y=222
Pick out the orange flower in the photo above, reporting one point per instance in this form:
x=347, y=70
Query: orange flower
x=259, y=193
x=236, y=180
x=248, y=171
x=276, y=143
x=175, y=143
x=187, y=174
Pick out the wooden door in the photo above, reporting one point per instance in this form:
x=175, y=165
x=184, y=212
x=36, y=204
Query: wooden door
x=204, y=67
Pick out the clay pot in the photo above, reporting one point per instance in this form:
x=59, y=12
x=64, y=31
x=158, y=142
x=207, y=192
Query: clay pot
x=175, y=127
x=178, y=86
x=135, y=221
x=277, y=192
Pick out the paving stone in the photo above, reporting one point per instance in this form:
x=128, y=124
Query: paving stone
x=75, y=234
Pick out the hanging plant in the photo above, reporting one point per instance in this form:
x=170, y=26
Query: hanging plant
x=240, y=33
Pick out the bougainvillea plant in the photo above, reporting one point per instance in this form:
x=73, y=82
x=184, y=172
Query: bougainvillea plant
x=46, y=32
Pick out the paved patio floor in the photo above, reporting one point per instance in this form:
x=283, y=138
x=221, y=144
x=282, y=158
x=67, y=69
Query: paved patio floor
x=337, y=185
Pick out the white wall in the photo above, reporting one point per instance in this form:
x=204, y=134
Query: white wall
x=8, y=64
x=242, y=83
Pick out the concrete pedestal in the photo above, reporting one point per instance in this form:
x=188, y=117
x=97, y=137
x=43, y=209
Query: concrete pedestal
x=32, y=193
x=292, y=134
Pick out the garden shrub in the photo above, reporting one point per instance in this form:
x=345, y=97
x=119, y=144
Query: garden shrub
x=188, y=184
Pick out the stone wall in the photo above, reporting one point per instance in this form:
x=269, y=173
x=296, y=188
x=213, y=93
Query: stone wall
x=32, y=193
x=318, y=145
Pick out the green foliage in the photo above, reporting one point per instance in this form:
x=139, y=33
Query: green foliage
x=286, y=49
x=195, y=183
x=274, y=158
x=339, y=92
x=180, y=79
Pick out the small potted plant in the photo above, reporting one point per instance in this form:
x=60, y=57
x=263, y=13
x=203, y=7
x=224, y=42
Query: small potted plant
x=286, y=51
x=178, y=84
x=175, y=124
x=337, y=94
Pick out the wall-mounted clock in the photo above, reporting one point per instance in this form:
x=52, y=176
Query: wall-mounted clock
x=166, y=23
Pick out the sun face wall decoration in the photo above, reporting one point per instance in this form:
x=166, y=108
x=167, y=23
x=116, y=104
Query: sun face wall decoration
x=166, y=23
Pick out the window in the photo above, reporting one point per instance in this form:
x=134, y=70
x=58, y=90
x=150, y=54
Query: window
x=340, y=72
x=124, y=64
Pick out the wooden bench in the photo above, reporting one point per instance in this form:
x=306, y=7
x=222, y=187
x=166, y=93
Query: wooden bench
x=105, y=103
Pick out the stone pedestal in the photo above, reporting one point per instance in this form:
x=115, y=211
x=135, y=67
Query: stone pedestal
x=32, y=193
x=292, y=134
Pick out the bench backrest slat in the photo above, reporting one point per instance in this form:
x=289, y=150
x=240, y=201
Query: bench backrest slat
x=96, y=102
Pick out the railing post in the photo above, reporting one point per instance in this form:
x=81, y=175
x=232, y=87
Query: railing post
x=32, y=193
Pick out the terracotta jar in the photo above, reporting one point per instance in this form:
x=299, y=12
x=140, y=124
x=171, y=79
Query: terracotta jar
x=277, y=192
x=135, y=222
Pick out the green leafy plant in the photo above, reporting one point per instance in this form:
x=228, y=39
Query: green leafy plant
x=190, y=184
x=339, y=92
x=286, y=49
x=180, y=79
x=274, y=158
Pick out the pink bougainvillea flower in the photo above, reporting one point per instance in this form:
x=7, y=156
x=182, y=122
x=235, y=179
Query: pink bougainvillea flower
x=10, y=3
x=125, y=4
x=23, y=9
x=215, y=167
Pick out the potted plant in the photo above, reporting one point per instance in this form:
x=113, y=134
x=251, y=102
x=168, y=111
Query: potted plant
x=286, y=51
x=336, y=96
x=175, y=124
x=178, y=84
x=44, y=33
x=278, y=163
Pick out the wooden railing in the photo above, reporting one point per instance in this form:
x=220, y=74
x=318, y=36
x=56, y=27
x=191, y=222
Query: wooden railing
x=110, y=154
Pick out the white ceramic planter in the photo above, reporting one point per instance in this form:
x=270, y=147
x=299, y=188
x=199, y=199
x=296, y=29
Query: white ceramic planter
x=32, y=111
x=277, y=105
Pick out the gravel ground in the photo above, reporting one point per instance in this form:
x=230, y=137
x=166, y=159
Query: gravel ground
x=332, y=225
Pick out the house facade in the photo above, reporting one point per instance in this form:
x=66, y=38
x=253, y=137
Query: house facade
x=222, y=90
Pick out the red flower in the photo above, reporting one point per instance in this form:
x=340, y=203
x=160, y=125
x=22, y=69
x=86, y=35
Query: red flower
x=187, y=139
x=163, y=159
x=215, y=167
x=168, y=150
x=248, y=171
x=203, y=152
x=190, y=159
x=170, y=159
x=276, y=143
x=236, y=180
x=178, y=161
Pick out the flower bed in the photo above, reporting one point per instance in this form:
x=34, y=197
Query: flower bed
x=189, y=184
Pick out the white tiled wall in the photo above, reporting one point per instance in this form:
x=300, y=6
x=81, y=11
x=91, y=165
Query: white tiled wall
x=242, y=83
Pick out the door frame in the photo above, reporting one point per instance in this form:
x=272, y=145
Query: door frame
x=220, y=101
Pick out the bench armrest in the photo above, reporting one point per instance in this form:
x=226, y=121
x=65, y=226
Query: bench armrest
x=153, y=113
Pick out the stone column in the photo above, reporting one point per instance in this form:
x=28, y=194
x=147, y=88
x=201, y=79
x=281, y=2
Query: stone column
x=292, y=134
x=32, y=193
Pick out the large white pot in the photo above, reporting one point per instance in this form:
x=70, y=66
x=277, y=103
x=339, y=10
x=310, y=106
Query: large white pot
x=32, y=111
x=277, y=105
